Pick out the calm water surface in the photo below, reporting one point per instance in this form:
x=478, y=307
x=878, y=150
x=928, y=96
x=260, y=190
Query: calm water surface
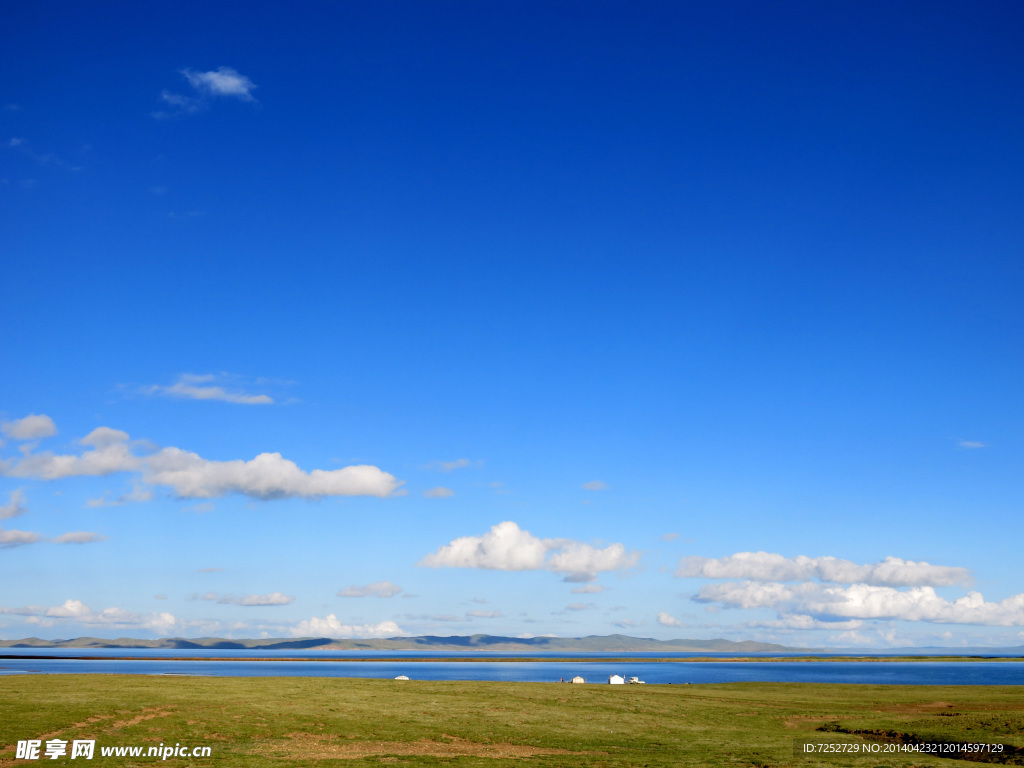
x=215, y=663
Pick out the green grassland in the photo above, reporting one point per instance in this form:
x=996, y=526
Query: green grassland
x=356, y=722
x=531, y=659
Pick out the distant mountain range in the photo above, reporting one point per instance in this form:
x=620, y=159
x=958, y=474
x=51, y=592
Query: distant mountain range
x=593, y=643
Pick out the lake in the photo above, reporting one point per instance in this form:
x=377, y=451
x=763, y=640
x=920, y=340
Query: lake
x=217, y=663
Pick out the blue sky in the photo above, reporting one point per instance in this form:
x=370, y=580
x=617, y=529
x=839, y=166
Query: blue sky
x=366, y=319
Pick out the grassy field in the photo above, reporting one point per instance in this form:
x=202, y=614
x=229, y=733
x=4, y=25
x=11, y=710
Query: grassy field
x=355, y=722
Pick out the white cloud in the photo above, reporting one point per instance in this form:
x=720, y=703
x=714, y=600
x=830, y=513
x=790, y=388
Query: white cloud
x=506, y=547
x=595, y=485
x=577, y=558
x=669, y=536
x=668, y=620
x=765, y=566
x=32, y=427
x=109, y=453
x=440, y=492
x=971, y=444
x=485, y=614
x=70, y=609
x=201, y=387
x=10, y=539
x=329, y=626
x=78, y=537
x=268, y=476
x=751, y=594
x=15, y=507
x=588, y=589
x=118, y=617
x=377, y=589
x=224, y=81
x=865, y=601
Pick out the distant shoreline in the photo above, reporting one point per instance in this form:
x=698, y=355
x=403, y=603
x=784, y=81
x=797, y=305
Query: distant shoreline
x=525, y=659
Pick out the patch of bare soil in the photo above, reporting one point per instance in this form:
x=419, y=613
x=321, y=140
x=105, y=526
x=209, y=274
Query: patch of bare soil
x=803, y=721
x=917, y=708
x=90, y=721
x=309, y=746
x=147, y=714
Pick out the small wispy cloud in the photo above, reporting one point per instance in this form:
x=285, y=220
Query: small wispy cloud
x=215, y=83
x=78, y=537
x=224, y=81
x=580, y=606
x=274, y=598
x=41, y=158
x=209, y=570
x=971, y=444
x=588, y=589
x=138, y=494
x=377, y=589
x=451, y=466
x=191, y=386
x=595, y=485
x=15, y=507
x=183, y=104
x=485, y=614
x=627, y=624
x=440, y=492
